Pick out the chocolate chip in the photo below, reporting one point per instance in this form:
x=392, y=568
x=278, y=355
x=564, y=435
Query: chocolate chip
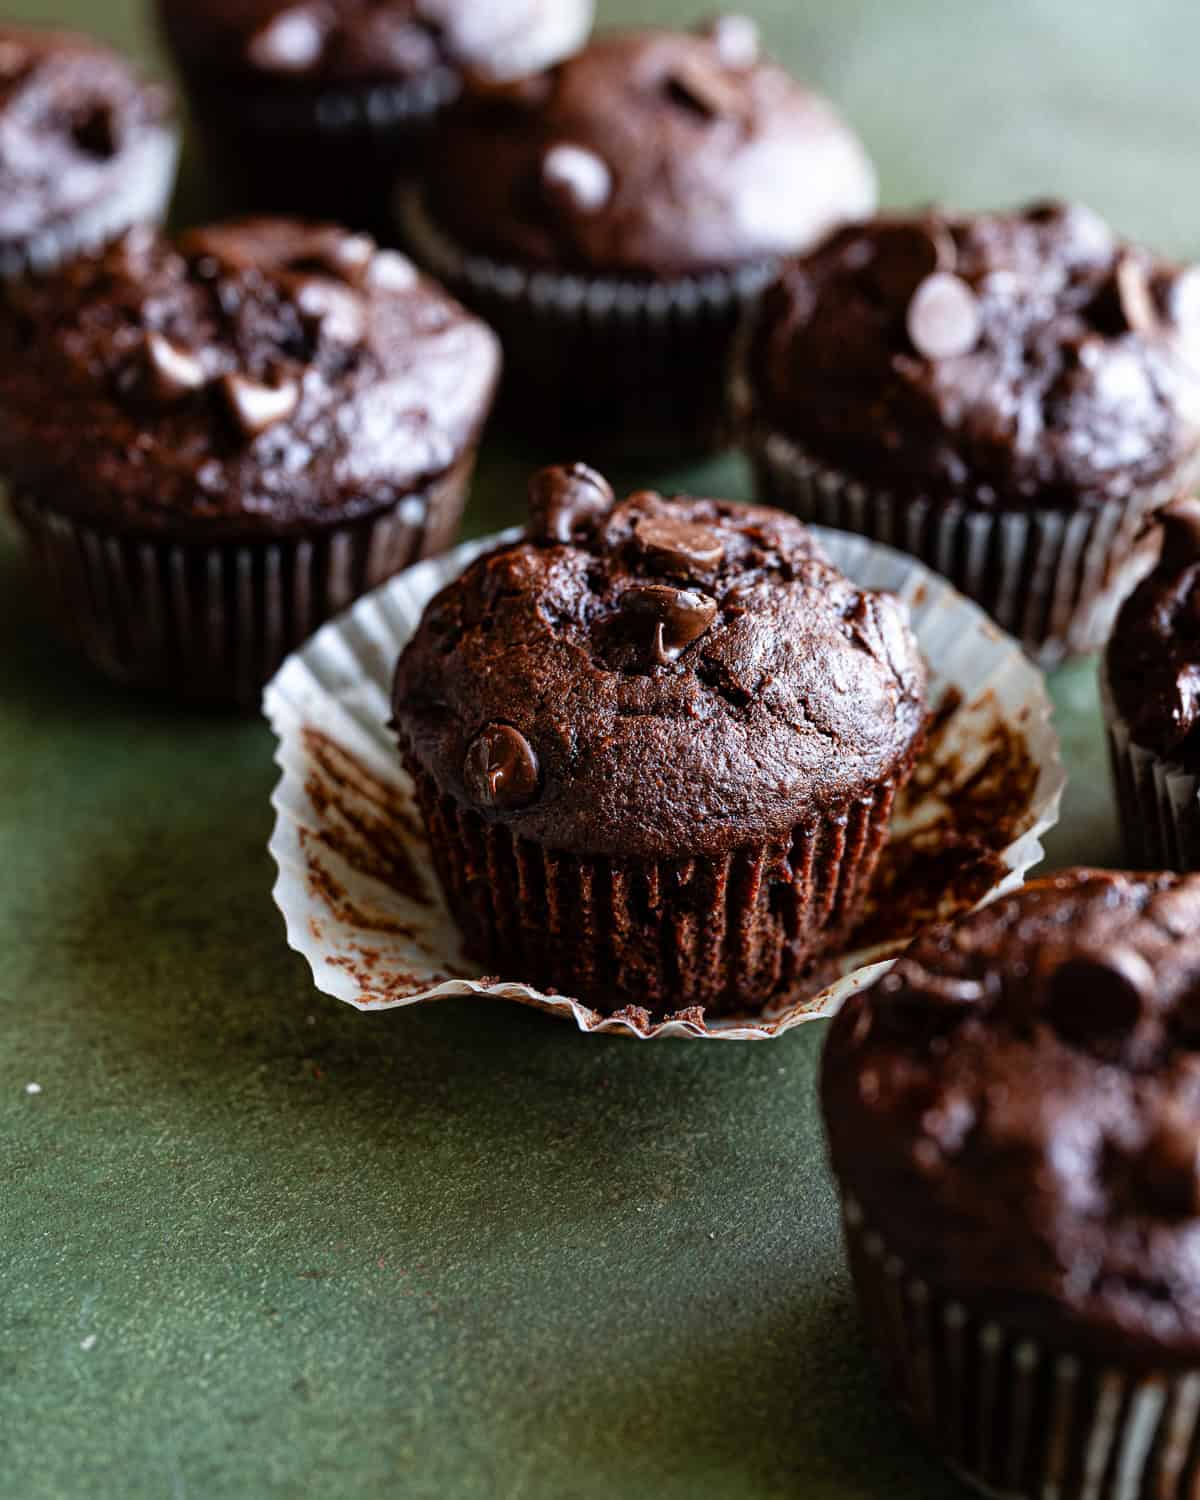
x=675, y=546
x=168, y=372
x=698, y=84
x=736, y=38
x=576, y=178
x=255, y=407
x=1102, y=996
x=906, y=253
x=1181, y=300
x=565, y=498
x=943, y=317
x=501, y=768
x=96, y=132
x=291, y=41
x=676, y=617
x=1170, y=1163
x=1133, y=293
x=914, y=992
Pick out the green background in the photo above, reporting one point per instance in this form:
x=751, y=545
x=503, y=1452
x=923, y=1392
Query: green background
x=255, y=1244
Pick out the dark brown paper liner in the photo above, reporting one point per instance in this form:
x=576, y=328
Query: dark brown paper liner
x=210, y=622
x=1010, y=1416
x=601, y=364
x=1052, y=579
x=728, y=934
x=1158, y=799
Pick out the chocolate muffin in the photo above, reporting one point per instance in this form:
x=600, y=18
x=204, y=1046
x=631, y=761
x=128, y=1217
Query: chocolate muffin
x=214, y=443
x=1007, y=396
x=1013, y=1116
x=612, y=217
x=656, y=744
x=1151, y=696
x=316, y=106
x=87, y=147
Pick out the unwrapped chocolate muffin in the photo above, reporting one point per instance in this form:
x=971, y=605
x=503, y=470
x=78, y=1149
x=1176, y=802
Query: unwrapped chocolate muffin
x=214, y=443
x=613, y=217
x=87, y=147
x=1013, y=1116
x=317, y=106
x=656, y=744
x=1007, y=396
x=1151, y=697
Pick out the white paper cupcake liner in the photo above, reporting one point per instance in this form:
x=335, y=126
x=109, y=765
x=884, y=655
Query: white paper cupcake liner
x=1158, y=800
x=1052, y=579
x=1013, y=1418
x=143, y=199
x=356, y=885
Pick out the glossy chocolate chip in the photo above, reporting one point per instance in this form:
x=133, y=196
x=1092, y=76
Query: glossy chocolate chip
x=291, y=41
x=1102, y=996
x=1170, y=1163
x=943, y=317
x=501, y=768
x=736, y=38
x=1133, y=294
x=913, y=990
x=168, y=373
x=673, y=618
x=701, y=86
x=255, y=407
x=96, y=132
x=565, y=498
x=905, y=254
x=676, y=546
x=576, y=178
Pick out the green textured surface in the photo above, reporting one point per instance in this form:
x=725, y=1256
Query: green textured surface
x=255, y=1244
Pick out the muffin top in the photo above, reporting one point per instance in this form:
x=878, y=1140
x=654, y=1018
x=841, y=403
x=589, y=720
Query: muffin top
x=71, y=114
x=306, y=42
x=657, y=678
x=1016, y=1108
x=1005, y=360
x=1153, y=658
x=256, y=377
x=656, y=152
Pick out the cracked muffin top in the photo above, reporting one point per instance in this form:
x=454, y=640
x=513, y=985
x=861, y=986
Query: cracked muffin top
x=656, y=678
x=252, y=377
x=1003, y=360
x=1016, y=1109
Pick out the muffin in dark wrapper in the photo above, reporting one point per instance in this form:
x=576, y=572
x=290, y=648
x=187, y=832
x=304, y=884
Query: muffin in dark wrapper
x=1013, y=1117
x=656, y=744
x=212, y=444
x=87, y=147
x=613, y=217
x=1007, y=397
x=316, y=107
x=1150, y=690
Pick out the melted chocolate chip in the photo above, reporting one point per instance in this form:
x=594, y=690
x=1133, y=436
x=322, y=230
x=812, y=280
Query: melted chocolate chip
x=676, y=617
x=168, y=372
x=291, y=41
x=1170, y=1164
x=565, y=498
x=905, y=254
x=736, y=38
x=1133, y=294
x=576, y=179
x=943, y=317
x=255, y=407
x=501, y=768
x=700, y=85
x=1100, y=997
x=679, y=546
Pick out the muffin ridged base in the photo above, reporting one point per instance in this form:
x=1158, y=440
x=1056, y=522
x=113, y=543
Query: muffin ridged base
x=210, y=622
x=609, y=364
x=1052, y=579
x=1010, y=1416
x=1158, y=799
x=728, y=934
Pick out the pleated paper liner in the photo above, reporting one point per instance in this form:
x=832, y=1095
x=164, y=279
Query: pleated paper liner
x=143, y=199
x=361, y=900
x=209, y=622
x=1014, y=1418
x=1053, y=579
x=1157, y=798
